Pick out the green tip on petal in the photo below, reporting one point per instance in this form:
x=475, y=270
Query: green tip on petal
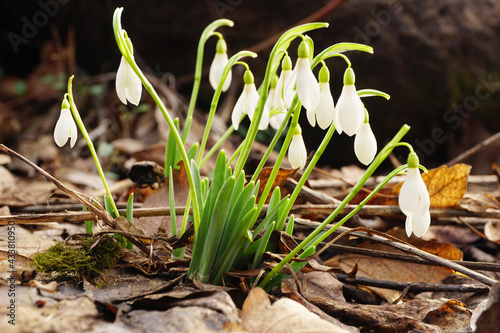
x=274, y=81
x=286, y=64
x=221, y=46
x=297, y=130
x=413, y=160
x=349, y=77
x=65, y=104
x=324, y=74
x=303, y=51
x=248, y=77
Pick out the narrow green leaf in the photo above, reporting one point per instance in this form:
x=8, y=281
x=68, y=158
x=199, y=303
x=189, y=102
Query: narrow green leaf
x=289, y=227
x=172, y=154
x=264, y=241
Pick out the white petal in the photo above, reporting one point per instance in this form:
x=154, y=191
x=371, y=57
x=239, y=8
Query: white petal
x=350, y=113
x=289, y=80
x=121, y=80
x=408, y=195
x=326, y=107
x=408, y=225
x=311, y=117
x=238, y=110
x=271, y=99
x=251, y=100
x=307, y=85
x=133, y=86
x=216, y=69
x=420, y=223
x=65, y=127
x=276, y=120
x=365, y=144
x=297, y=153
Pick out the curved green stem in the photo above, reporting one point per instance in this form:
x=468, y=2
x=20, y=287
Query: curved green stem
x=216, y=146
x=81, y=126
x=149, y=87
x=215, y=99
x=384, y=153
x=207, y=33
x=274, y=58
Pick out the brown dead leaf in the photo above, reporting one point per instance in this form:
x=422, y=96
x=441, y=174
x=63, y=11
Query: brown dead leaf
x=393, y=270
x=447, y=185
x=489, y=320
x=452, y=316
x=281, y=177
x=285, y=315
x=478, y=202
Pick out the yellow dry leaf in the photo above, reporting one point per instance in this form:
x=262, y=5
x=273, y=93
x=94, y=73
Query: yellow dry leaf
x=447, y=186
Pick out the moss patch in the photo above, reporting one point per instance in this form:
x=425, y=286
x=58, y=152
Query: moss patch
x=84, y=260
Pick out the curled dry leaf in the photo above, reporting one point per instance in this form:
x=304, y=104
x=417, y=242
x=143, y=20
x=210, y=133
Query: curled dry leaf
x=285, y=315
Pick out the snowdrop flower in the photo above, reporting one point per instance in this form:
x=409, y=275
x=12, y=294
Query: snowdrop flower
x=273, y=105
x=324, y=112
x=217, y=66
x=128, y=84
x=65, y=126
x=307, y=86
x=365, y=144
x=414, y=200
x=297, y=153
x=349, y=114
x=286, y=84
x=247, y=102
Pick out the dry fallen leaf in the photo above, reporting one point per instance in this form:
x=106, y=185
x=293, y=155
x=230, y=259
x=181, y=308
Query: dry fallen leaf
x=285, y=315
x=492, y=231
x=447, y=185
x=393, y=270
x=281, y=177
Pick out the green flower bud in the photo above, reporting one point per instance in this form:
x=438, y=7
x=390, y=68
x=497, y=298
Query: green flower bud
x=349, y=77
x=297, y=130
x=65, y=103
x=248, y=77
x=286, y=64
x=303, y=51
x=221, y=46
x=413, y=160
x=324, y=74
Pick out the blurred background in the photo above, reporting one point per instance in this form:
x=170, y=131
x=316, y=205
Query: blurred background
x=439, y=61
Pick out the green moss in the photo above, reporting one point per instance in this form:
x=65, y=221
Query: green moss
x=82, y=260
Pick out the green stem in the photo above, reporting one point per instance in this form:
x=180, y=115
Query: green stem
x=274, y=58
x=78, y=119
x=215, y=99
x=147, y=85
x=216, y=146
x=207, y=33
x=384, y=153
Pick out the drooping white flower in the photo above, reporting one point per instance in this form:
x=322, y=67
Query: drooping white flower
x=324, y=112
x=274, y=105
x=65, y=126
x=365, y=144
x=349, y=114
x=217, y=67
x=297, y=153
x=285, y=88
x=128, y=84
x=414, y=200
x=247, y=102
x=307, y=86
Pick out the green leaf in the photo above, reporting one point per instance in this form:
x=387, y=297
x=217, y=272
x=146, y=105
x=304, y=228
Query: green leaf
x=215, y=228
x=372, y=92
x=172, y=153
x=259, y=253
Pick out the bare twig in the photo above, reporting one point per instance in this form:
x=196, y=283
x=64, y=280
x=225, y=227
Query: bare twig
x=474, y=150
x=409, y=249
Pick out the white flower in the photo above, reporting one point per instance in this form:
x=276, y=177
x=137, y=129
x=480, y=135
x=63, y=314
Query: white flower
x=365, y=144
x=307, y=86
x=217, y=67
x=414, y=202
x=128, y=84
x=277, y=119
x=247, y=102
x=349, y=114
x=297, y=153
x=65, y=127
x=324, y=112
